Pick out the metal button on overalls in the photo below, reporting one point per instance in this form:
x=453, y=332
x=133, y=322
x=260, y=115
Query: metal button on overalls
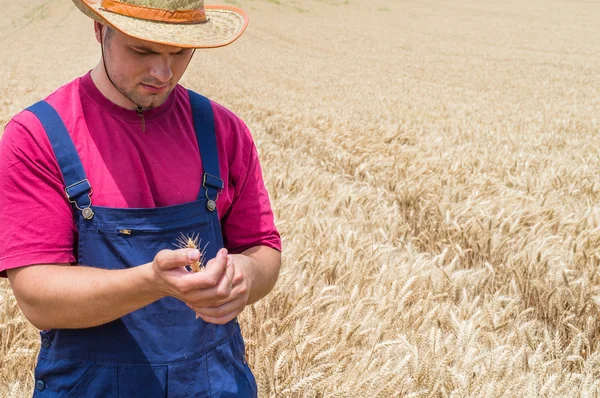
x=46, y=342
x=162, y=347
x=40, y=385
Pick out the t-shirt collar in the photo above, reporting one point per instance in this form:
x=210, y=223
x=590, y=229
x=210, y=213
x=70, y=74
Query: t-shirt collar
x=89, y=87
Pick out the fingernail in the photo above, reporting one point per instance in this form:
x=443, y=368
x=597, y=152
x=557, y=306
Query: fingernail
x=193, y=255
x=223, y=252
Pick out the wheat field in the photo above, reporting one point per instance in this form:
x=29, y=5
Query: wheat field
x=433, y=167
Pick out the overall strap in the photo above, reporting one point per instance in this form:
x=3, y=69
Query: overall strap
x=78, y=188
x=204, y=124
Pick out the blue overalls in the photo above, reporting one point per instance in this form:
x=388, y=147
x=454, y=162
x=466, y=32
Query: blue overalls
x=160, y=350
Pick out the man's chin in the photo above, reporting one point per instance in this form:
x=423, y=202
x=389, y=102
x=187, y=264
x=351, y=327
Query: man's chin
x=149, y=101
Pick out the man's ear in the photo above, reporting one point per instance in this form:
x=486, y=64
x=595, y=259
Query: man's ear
x=98, y=29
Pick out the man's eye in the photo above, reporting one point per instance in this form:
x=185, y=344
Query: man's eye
x=140, y=52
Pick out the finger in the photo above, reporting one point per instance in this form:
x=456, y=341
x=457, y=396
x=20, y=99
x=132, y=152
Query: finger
x=212, y=274
x=169, y=259
x=226, y=283
x=219, y=320
x=210, y=298
x=213, y=296
x=222, y=310
x=219, y=257
x=230, y=271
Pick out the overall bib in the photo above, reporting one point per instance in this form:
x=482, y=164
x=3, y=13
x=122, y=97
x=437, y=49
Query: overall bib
x=160, y=350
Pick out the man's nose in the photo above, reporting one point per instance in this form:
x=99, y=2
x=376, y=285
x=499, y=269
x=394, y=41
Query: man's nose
x=161, y=69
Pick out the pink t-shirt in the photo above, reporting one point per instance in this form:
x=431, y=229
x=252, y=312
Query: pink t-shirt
x=127, y=168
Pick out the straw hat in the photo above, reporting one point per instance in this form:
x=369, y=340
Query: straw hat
x=179, y=23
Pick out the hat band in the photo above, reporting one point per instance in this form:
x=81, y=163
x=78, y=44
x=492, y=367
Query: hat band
x=155, y=14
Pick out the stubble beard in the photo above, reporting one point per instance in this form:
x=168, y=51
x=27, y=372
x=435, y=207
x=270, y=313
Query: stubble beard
x=120, y=83
x=144, y=101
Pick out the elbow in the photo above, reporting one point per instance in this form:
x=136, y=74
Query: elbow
x=33, y=312
x=33, y=315
x=29, y=302
x=41, y=317
x=40, y=325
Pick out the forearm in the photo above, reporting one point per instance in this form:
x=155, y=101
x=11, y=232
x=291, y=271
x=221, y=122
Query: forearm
x=72, y=297
x=265, y=263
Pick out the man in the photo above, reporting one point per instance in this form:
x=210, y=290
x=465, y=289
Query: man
x=107, y=174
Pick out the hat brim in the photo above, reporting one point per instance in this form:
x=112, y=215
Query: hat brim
x=225, y=24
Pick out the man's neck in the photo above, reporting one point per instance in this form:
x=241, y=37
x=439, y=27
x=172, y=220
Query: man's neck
x=104, y=85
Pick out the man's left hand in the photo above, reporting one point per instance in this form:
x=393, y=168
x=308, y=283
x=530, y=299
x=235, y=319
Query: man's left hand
x=231, y=306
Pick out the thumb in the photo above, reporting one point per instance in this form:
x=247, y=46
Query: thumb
x=169, y=259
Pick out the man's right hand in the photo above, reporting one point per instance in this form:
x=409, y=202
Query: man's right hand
x=201, y=289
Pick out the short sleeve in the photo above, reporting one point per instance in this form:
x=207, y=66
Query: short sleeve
x=36, y=220
x=249, y=220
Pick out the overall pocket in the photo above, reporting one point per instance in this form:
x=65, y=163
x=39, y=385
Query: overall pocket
x=228, y=370
x=66, y=378
x=127, y=244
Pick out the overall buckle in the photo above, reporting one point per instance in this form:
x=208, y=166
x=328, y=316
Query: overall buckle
x=74, y=191
x=213, y=182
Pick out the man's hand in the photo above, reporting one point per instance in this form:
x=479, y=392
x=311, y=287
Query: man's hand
x=254, y=273
x=231, y=305
x=222, y=290
x=206, y=288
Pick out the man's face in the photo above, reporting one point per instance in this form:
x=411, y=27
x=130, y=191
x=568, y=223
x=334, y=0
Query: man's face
x=143, y=72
